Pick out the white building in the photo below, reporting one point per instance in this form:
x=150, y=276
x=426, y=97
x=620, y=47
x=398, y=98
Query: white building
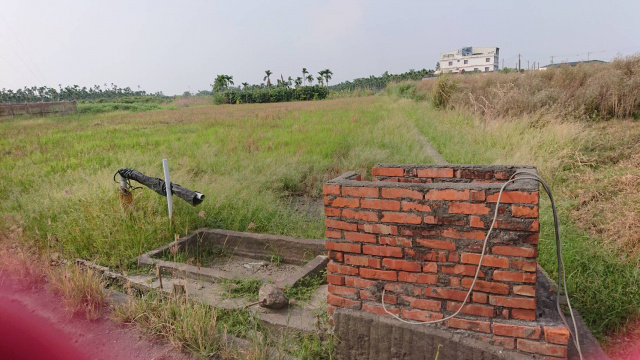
x=483, y=59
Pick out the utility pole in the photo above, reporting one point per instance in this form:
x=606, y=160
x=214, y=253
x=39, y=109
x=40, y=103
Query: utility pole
x=528, y=68
x=552, y=59
x=503, y=63
x=519, y=63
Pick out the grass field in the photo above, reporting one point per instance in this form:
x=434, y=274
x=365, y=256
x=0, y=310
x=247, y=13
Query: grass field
x=258, y=163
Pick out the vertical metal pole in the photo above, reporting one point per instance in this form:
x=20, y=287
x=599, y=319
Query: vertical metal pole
x=167, y=182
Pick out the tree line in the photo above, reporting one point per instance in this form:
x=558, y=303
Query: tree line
x=68, y=93
x=377, y=83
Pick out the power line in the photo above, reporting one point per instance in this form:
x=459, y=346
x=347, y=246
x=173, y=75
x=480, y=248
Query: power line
x=23, y=49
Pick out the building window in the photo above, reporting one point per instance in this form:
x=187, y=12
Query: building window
x=475, y=69
x=466, y=62
x=486, y=69
x=450, y=63
x=488, y=59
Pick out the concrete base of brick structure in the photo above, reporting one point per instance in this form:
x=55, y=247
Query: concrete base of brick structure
x=365, y=336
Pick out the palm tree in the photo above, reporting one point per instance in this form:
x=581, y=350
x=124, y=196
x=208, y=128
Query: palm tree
x=229, y=80
x=298, y=82
x=310, y=79
x=327, y=76
x=320, y=80
x=266, y=78
x=245, y=84
x=304, y=74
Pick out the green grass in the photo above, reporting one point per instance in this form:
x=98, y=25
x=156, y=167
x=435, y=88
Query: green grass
x=242, y=287
x=57, y=171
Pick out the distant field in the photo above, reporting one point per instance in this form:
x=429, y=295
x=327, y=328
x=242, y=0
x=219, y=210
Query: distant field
x=261, y=165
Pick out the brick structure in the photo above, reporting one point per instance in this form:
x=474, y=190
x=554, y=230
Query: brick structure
x=417, y=231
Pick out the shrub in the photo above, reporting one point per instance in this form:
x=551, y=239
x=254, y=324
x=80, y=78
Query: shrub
x=441, y=93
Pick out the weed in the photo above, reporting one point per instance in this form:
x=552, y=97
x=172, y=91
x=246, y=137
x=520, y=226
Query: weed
x=245, y=287
x=80, y=289
x=306, y=287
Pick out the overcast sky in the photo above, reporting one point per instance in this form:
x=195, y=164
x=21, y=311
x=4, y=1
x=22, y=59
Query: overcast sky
x=175, y=46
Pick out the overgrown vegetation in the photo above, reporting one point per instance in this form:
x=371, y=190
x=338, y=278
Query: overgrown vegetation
x=271, y=95
x=104, y=93
x=80, y=289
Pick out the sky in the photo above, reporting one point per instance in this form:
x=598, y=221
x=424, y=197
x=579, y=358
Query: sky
x=178, y=46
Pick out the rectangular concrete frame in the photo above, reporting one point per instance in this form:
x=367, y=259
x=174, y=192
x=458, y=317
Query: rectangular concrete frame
x=306, y=252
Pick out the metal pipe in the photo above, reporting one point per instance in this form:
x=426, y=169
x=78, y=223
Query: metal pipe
x=167, y=181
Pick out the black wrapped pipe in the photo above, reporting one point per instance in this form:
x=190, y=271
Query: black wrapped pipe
x=158, y=185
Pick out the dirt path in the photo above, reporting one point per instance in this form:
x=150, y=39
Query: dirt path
x=34, y=325
x=626, y=346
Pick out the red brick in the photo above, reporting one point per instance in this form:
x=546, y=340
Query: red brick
x=333, y=234
x=369, y=296
x=341, y=202
x=358, y=282
x=417, y=278
x=381, y=204
x=420, y=315
x=400, y=217
x=378, y=274
x=411, y=206
x=531, y=239
x=459, y=269
x=431, y=219
x=360, y=237
x=447, y=194
x=524, y=290
x=371, y=192
x=423, y=304
x=505, y=313
x=379, y=171
x=542, y=348
x=336, y=255
x=437, y=244
x=515, y=197
x=475, y=325
x=342, y=302
x=331, y=189
x=395, y=241
x=376, y=309
x=334, y=268
x=331, y=211
x=501, y=175
x=379, y=229
x=475, y=174
x=342, y=290
x=335, y=279
x=468, y=208
x=556, y=335
x=480, y=297
x=517, y=224
x=477, y=195
x=522, y=314
x=519, y=331
x=443, y=293
x=471, y=234
x=471, y=309
x=430, y=267
x=454, y=282
x=360, y=215
x=382, y=250
x=506, y=343
x=513, y=302
x=362, y=261
x=438, y=256
x=342, y=246
x=514, y=276
x=336, y=224
x=418, y=232
x=524, y=265
x=453, y=256
x=488, y=260
x=515, y=251
x=435, y=173
x=402, y=265
x=459, y=220
x=401, y=193
x=524, y=211
x=486, y=286
x=402, y=289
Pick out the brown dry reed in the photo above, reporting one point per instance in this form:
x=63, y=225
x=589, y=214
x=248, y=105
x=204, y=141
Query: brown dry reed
x=587, y=91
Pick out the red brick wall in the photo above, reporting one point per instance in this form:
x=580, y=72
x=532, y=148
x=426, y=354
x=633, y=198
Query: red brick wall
x=417, y=232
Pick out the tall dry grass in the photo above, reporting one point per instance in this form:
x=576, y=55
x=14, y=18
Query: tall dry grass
x=586, y=91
